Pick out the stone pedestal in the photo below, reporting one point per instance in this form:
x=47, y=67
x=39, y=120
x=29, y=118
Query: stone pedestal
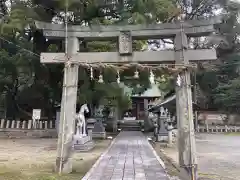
x=82, y=143
x=90, y=126
x=162, y=137
x=99, y=131
x=162, y=133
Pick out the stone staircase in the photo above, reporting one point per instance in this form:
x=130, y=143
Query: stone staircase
x=131, y=125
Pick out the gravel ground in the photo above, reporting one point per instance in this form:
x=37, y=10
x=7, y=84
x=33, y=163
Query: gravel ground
x=218, y=156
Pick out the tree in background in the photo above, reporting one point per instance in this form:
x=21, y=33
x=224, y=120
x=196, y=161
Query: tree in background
x=25, y=81
x=219, y=81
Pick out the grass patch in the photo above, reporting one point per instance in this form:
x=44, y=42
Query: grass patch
x=79, y=170
x=44, y=169
x=232, y=134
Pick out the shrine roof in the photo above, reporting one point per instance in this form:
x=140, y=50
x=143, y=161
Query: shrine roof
x=167, y=102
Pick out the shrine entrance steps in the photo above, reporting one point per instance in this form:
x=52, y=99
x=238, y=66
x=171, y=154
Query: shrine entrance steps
x=130, y=125
x=129, y=157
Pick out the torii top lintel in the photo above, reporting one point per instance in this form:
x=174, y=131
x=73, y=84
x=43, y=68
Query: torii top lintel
x=193, y=28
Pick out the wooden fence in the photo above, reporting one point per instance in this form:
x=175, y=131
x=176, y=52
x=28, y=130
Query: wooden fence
x=219, y=129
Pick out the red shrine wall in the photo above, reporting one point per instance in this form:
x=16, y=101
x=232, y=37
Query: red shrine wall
x=138, y=106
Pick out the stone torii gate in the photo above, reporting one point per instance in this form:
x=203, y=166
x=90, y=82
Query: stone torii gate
x=180, y=31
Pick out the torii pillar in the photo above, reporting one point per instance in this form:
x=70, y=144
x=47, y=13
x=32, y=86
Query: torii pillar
x=68, y=111
x=186, y=137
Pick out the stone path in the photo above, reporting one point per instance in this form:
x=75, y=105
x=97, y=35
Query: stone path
x=130, y=157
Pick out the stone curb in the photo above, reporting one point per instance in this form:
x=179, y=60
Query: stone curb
x=182, y=175
x=86, y=177
x=158, y=158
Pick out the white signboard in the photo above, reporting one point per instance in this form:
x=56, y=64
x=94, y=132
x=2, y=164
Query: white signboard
x=36, y=114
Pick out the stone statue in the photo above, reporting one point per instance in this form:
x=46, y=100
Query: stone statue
x=166, y=112
x=162, y=111
x=81, y=122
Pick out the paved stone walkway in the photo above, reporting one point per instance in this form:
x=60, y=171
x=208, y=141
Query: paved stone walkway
x=130, y=157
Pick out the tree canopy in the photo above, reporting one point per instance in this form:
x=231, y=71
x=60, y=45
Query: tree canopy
x=220, y=81
x=26, y=83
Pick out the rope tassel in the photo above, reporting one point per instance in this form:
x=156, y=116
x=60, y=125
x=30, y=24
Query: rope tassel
x=91, y=73
x=152, y=78
x=118, y=77
x=100, y=79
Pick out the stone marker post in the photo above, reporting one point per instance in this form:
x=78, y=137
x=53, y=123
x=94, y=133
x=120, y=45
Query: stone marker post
x=40, y=124
x=8, y=124
x=18, y=124
x=29, y=124
x=23, y=124
x=45, y=124
x=2, y=123
x=13, y=124
x=51, y=125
